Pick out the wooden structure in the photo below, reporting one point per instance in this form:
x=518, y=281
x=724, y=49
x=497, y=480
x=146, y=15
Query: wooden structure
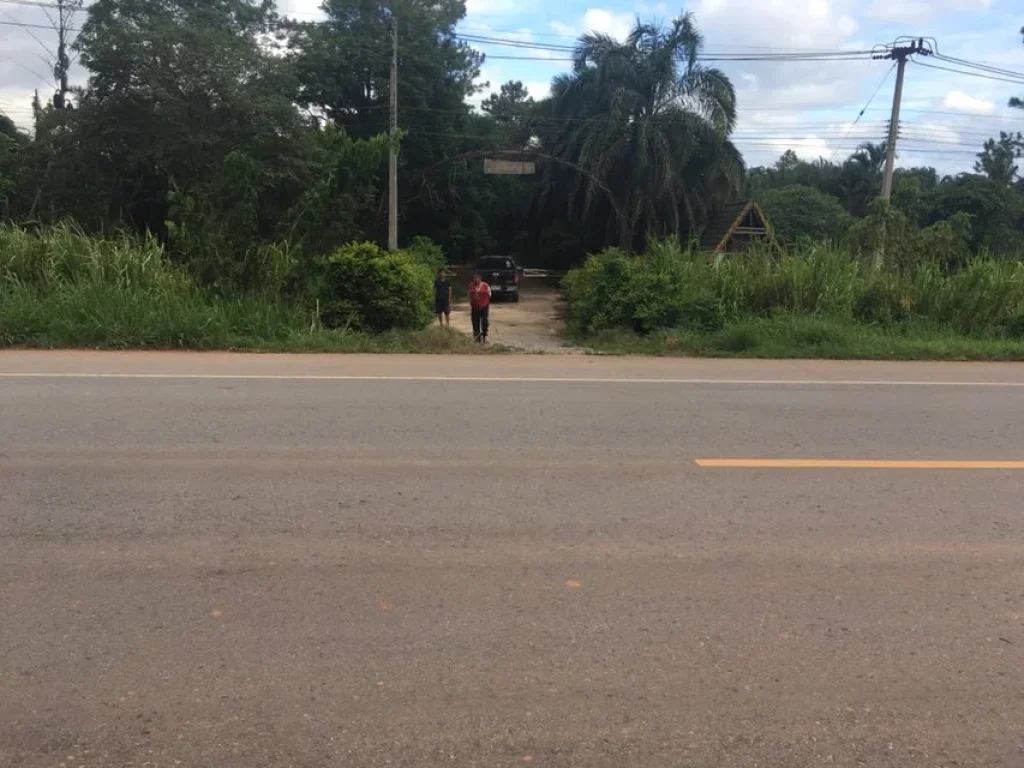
x=504, y=167
x=734, y=229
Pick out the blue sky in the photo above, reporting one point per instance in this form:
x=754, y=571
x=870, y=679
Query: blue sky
x=808, y=107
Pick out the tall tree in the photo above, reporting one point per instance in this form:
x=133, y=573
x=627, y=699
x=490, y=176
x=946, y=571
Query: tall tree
x=860, y=180
x=997, y=160
x=645, y=127
x=344, y=63
x=177, y=85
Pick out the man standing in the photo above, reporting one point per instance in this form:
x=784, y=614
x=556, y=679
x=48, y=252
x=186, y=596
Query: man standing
x=480, y=306
x=443, y=299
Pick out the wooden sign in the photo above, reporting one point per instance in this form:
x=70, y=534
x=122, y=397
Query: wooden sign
x=497, y=167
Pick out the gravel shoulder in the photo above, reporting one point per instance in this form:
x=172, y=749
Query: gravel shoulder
x=535, y=324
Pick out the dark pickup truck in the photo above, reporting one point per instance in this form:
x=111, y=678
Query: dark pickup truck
x=502, y=274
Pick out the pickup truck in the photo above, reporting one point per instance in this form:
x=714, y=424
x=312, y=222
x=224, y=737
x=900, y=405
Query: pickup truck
x=502, y=274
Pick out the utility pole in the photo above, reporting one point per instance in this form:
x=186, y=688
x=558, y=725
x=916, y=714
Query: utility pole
x=899, y=51
x=66, y=10
x=393, y=157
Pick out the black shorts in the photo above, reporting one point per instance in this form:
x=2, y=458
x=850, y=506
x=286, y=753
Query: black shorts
x=442, y=307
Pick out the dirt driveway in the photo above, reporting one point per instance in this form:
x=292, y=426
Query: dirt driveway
x=536, y=323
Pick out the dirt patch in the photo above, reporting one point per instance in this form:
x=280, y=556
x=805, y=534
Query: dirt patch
x=536, y=323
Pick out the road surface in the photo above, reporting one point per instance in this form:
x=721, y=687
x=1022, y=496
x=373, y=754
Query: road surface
x=216, y=560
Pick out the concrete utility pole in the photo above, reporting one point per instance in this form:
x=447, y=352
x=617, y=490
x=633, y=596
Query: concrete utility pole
x=393, y=158
x=900, y=51
x=66, y=10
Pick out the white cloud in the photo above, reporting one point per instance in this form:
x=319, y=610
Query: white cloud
x=566, y=30
x=613, y=23
x=908, y=11
x=303, y=10
x=652, y=9
x=617, y=25
x=497, y=7
x=919, y=11
x=818, y=24
x=538, y=89
x=963, y=102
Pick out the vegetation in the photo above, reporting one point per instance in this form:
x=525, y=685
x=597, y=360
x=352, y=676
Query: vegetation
x=653, y=124
x=819, y=300
x=220, y=181
x=62, y=288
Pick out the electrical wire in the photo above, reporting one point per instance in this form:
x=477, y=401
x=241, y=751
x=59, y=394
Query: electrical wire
x=707, y=55
x=980, y=75
x=861, y=113
x=980, y=65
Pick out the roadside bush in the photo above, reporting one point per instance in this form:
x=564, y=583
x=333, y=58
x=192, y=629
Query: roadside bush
x=882, y=303
x=663, y=288
x=59, y=287
x=428, y=253
x=367, y=288
x=798, y=212
x=817, y=279
x=674, y=289
x=62, y=255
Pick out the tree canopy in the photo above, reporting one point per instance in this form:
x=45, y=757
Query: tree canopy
x=220, y=127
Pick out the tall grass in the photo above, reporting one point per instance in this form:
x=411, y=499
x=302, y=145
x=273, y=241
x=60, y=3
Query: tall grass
x=674, y=288
x=60, y=287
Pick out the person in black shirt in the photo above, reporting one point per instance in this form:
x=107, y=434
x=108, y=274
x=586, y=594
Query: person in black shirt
x=443, y=299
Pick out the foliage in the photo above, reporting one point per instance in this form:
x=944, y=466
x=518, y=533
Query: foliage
x=798, y=212
x=996, y=213
x=62, y=288
x=802, y=337
x=854, y=184
x=251, y=146
x=428, y=253
x=642, y=129
x=343, y=65
x=59, y=286
x=996, y=160
x=669, y=288
x=365, y=288
x=1016, y=102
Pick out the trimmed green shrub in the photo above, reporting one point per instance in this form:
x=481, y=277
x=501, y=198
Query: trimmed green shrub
x=366, y=288
x=428, y=253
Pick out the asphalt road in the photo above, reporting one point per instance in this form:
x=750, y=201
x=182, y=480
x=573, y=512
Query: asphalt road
x=215, y=560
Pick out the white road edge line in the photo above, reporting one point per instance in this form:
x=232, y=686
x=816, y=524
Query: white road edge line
x=519, y=379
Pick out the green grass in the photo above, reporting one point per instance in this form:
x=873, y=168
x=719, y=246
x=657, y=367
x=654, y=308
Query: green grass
x=801, y=337
x=98, y=318
x=60, y=288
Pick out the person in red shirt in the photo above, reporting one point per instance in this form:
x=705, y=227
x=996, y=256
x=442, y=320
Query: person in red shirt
x=480, y=306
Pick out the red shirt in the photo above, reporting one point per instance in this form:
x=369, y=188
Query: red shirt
x=479, y=295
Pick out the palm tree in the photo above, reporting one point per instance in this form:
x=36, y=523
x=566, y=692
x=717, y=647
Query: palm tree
x=861, y=177
x=649, y=126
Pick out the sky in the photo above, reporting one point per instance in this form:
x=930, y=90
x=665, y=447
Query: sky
x=808, y=107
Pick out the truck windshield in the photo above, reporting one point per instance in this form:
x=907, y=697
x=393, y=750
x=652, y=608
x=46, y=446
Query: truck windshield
x=495, y=262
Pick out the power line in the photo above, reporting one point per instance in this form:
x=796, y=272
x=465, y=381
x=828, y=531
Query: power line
x=861, y=113
x=966, y=73
x=32, y=4
x=706, y=54
x=979, y=65
x=27, y=25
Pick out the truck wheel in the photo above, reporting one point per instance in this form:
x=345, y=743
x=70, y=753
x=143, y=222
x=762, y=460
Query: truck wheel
x=515, y=297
